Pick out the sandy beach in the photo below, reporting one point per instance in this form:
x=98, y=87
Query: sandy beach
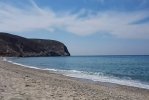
x=21, y=83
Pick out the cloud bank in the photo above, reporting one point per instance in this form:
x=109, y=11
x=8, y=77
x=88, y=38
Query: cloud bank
x=32, y=18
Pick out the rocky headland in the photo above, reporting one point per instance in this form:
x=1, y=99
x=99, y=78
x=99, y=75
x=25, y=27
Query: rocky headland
x=17, y=46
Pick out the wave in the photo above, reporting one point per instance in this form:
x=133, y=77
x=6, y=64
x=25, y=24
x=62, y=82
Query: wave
x=97, y=77
x=110, y=79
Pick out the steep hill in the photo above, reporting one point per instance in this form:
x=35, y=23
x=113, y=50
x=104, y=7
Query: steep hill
x=16, y=46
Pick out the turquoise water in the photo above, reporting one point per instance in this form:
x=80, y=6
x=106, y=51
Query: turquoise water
x=125, y=70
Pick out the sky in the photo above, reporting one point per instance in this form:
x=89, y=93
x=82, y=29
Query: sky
x=86, y=27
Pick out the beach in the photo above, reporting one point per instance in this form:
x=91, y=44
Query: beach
x=22, y=83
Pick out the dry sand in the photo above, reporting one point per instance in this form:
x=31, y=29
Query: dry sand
x=20, y=83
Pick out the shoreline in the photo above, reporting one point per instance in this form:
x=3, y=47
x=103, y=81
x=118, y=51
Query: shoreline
x=34, y=84
x=128, y=83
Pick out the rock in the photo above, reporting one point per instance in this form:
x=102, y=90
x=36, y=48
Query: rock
x=16, y=46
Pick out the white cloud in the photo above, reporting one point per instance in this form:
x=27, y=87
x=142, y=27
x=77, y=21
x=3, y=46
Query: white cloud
x=13, y=19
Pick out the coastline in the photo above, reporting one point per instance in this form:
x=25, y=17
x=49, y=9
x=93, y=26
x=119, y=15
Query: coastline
x=83, y=75
x=22, y=83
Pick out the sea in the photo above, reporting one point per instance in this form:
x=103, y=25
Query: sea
x=119, y=69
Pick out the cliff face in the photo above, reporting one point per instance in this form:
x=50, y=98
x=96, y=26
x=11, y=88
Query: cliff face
x=16, y=46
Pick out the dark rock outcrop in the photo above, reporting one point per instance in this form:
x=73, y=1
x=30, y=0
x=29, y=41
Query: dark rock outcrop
x=16, y=46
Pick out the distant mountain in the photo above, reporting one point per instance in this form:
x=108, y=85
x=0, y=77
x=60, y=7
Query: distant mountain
x=16, y=46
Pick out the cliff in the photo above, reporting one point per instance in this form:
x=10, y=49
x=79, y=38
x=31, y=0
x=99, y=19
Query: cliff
x=16, y=46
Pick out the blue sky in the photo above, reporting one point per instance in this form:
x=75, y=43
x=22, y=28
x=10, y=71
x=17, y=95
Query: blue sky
x=87, y=27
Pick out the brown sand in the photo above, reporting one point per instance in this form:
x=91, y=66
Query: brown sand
x=20, y=83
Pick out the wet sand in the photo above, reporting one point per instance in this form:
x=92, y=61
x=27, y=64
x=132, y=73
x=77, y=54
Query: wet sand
x=21, y=83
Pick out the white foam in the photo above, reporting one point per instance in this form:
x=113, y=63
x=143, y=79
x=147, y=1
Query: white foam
x=55, y=70
x=92, y=76
x=23, y=65
x=108, y=79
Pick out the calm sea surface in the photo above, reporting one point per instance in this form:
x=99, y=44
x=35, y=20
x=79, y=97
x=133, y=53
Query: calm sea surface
x=125, y=70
